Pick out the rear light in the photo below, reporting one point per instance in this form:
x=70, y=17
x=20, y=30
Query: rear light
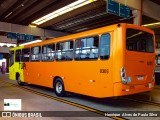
x=123, y=75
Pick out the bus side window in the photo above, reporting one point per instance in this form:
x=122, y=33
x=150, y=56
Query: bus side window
x=44, y=53
x=86, y=48
x=35, y=53
x=64, y=51
x=105, y=47
x=18, y=56
x=48, y=52
x=11, y=58
x=51, y=52
x=25, y=55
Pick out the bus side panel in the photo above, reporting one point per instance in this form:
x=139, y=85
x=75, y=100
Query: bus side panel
x=11, y=66
x=83, y=77
x=40, y=73
x=91, y=77
x=12, y=73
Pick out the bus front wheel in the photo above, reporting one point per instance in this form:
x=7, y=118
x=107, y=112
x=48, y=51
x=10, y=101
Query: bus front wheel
x=59, y=87
x=19, y=80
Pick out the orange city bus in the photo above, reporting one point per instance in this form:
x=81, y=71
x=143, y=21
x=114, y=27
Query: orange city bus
x=115, y=60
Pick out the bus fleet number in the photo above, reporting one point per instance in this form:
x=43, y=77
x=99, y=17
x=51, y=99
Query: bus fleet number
x=104, y=71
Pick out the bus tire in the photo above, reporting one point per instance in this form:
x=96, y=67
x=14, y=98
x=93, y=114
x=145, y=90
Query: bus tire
x=18, y=78
x=59, y=87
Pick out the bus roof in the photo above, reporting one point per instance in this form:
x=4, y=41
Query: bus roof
x=88, y=33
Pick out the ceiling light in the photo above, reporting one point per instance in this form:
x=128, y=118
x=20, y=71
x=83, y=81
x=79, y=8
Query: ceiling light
x=63, y=10
x=8, y=14
x=152, y=24
x=32, y=26
x=30, y=42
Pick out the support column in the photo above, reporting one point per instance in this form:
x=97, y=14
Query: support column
x=137, y=17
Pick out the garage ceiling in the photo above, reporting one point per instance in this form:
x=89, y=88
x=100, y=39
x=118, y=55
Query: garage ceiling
x=91, y=16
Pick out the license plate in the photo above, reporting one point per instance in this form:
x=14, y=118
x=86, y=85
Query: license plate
x=140, y=77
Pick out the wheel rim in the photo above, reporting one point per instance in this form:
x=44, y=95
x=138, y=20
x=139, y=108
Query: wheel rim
x=19, y=80
x=59, y=87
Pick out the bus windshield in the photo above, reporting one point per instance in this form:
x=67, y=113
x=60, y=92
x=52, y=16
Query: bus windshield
x=140, y=41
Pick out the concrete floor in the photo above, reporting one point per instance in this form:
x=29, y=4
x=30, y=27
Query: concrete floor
x=34, y=102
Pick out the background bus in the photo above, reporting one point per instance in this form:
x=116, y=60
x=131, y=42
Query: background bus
x=110, y=61
x=157, y=67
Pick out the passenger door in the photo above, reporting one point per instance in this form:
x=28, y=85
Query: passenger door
x=18, y=64
x=11, y=65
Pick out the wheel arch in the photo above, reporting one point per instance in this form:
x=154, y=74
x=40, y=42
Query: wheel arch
x=54, y=79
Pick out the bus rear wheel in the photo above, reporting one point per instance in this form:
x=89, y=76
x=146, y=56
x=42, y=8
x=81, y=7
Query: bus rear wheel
x=19, y=80
x=59, y=87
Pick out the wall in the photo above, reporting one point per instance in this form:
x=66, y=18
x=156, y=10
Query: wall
x=9, y=27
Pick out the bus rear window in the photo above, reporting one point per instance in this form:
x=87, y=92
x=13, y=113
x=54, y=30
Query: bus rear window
x=139, y=41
